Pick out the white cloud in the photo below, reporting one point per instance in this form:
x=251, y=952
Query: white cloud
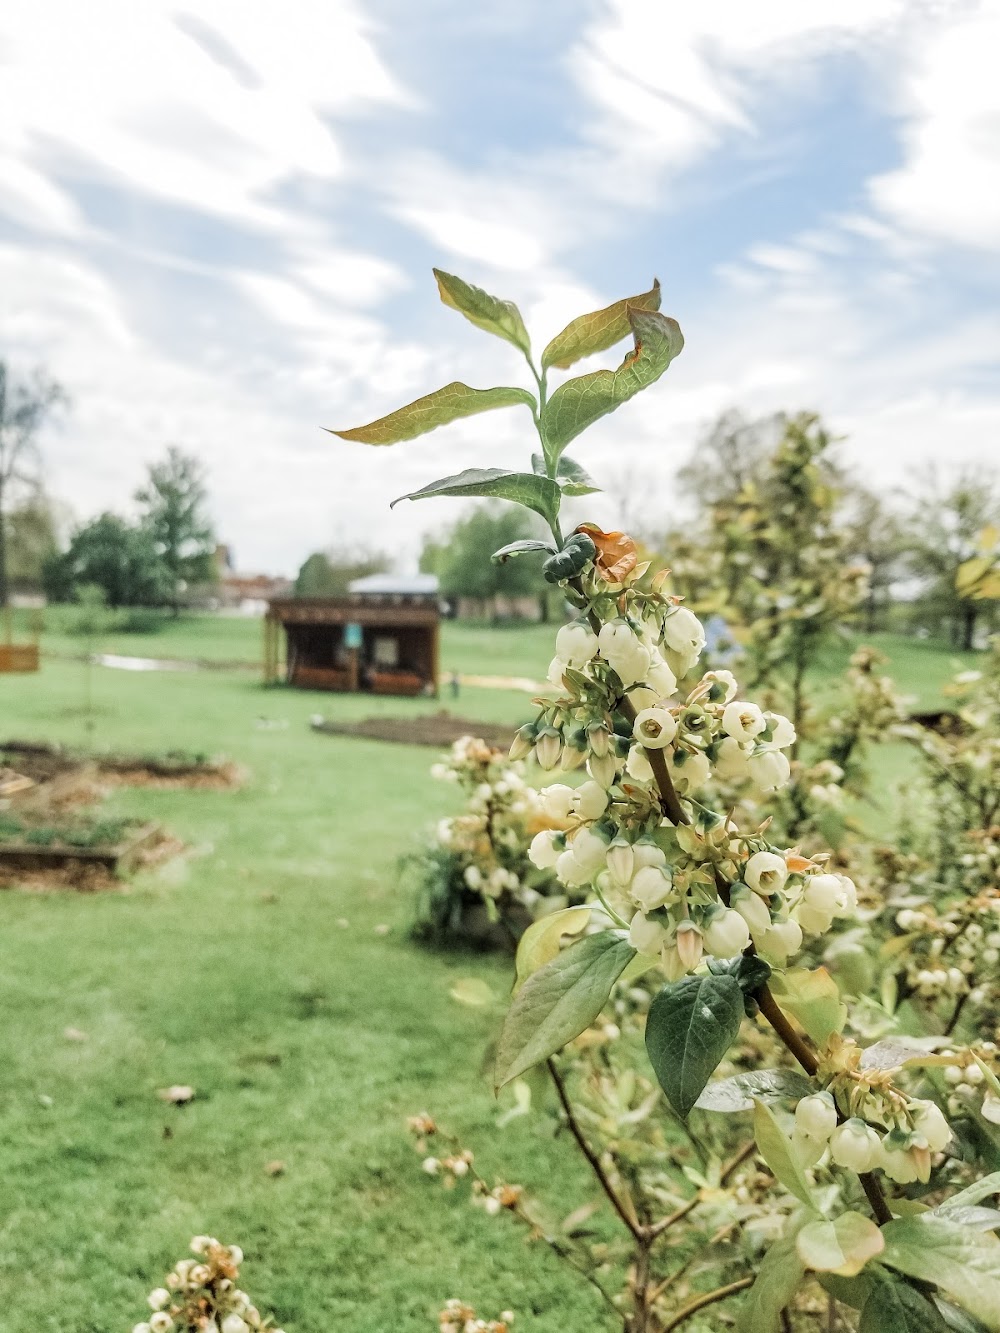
x=124, y=92
x=949, y=184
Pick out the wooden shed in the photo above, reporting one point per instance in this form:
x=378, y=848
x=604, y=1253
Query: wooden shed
x=381, y=638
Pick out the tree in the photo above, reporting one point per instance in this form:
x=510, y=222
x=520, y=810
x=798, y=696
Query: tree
x=944, y=523
x=876, y=536
x=330, y=573
x=30, y=532
x=173, y=513
x=729, y=455
x=24, y=406
x=119, y=558
x=462, y=561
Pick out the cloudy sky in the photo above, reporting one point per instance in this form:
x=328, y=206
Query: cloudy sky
x=218, y=220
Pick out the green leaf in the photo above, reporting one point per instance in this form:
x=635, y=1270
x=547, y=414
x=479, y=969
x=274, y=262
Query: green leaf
x=811, y=997
x=779, y=1277
x=580, y=402
x=454, y=401
x=901, y=1053
x=842, y=1246
x=538, y=493
x=559, y=1001
x=749, y=971
x=776, y=1149
x=962, y=1262
x=597, y=331
x=574, y=479
x=982, y=1189
x=472, y=991
x=523, y=547
x=895, y=1307
x=540, y=942
x=852, y=1291
x=691, y=1026
x=487, y=312
x=766, y=1085
x=955, y=1319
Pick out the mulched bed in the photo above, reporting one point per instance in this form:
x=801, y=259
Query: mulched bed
x=438, y=729
x=43, y=763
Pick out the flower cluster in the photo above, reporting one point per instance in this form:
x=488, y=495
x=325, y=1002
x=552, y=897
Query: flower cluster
x=458, y=1164
x=201, y=1295
x=457, y=1317
x=490, y=837
x=685, y=891
x=866, y=1122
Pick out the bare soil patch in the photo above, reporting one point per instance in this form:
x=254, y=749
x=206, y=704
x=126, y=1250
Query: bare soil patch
x=439, y=729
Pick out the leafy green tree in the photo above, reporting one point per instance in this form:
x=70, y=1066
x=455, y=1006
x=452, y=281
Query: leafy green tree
x=117, y=557
x=943, y=526
x=331, y=573
x=30, y=532
x=462, y=561
x=24, y=406
x=173, y=502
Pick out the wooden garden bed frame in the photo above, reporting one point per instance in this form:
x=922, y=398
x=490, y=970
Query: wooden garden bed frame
x=117, y=858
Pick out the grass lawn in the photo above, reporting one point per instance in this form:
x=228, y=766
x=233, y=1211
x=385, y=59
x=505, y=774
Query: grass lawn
x=252, y=969
x=308, y=1040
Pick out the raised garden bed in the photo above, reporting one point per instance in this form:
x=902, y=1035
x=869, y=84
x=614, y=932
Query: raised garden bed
x=76, y=853
x=44, y=762
x=438, y=729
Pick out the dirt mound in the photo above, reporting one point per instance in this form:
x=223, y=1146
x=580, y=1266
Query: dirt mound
x=438, y=729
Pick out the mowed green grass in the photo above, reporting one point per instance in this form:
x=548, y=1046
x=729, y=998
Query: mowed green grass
x=308, y=1040
x=255, y=969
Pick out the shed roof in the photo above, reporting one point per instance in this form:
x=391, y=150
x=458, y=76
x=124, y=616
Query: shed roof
x=404, y=585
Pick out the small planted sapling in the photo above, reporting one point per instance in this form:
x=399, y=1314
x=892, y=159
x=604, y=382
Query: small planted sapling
x=719, y=910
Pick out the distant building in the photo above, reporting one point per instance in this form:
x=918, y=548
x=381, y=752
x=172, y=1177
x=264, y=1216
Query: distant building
x=247, y=594
x=383, y=637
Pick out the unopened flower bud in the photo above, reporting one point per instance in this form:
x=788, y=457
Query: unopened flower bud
x=727, y=934
x=621, y=862
x=689, y=945
x=683, y=632
x=650, y=887
x=779, y=942
x=557, y=801
x=233, y=1323
x=782, y=731
x=816, y=1115
x=638, y=766
x=590, y=800
x=768, y=769
x=599, y=739
x=159, y=1299
x=752, y=909
x=603, y=769
x=930, y=1122
x=548, y=748
x=646, y=935
x=544, y=850
x=576, y=643
x=855, y=1146
x=523, y=743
